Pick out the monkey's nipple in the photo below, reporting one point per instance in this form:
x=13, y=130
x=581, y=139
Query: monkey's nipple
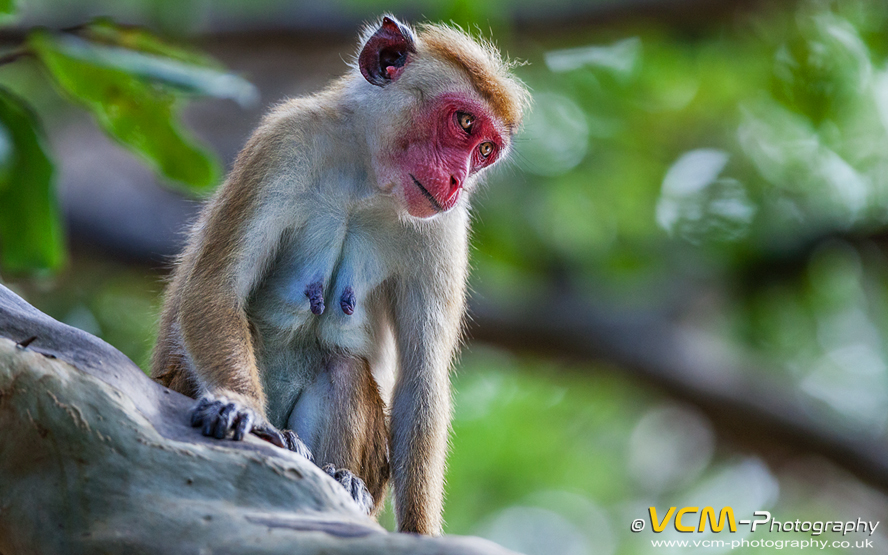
x=347, y=301
x=315, y=293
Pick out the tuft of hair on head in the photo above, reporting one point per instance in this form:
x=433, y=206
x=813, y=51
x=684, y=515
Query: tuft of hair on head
x=487, y=69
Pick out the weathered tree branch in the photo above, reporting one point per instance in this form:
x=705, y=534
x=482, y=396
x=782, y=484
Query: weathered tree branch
x=97, y=458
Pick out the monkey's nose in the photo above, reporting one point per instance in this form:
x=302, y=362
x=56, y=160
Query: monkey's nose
x=455, y=185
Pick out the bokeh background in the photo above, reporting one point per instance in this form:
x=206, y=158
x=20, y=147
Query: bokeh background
x=680, y=281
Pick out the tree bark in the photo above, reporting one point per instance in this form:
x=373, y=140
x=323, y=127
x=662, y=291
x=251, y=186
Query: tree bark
x=97, y=458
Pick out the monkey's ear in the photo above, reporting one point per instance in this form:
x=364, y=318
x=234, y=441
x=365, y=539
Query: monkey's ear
x=385, y=53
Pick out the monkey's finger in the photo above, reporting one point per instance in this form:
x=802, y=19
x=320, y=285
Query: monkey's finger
x=209, y=424
x=224, y=421
x=270, y=435
x=196, y=418
x=206, y=417
x=197, y=415
x=243, y=425
x=209, y=415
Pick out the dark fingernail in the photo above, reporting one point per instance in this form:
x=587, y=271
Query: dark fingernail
x=271, y=436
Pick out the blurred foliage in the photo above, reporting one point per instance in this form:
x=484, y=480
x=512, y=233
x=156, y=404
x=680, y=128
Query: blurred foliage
x=126, y=107
x=30, y=229
x=552, y=458
x=131, y=82
x=722, y=150
x=117, y=303
x=736, y=177
x=7, y=7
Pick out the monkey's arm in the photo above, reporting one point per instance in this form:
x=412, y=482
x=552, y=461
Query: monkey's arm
x=211, y=317
x=428, y=319
x=229, y=252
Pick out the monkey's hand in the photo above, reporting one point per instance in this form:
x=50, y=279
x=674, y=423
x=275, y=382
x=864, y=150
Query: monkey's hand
x=353, y=485
x=221, y=418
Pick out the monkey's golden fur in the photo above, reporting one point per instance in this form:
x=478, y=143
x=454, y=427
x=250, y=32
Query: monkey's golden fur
x=489, y=73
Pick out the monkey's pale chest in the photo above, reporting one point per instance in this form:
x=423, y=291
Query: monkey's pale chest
x=324, y=286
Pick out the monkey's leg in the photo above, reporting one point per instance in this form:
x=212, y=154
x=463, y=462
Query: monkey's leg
x=351, y=442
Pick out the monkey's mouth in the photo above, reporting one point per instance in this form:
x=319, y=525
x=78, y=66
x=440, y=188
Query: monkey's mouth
x=432, y=200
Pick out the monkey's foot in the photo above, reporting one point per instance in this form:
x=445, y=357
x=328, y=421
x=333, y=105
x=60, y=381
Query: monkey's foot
x=353, y=485
x=293, y=443
x=285, y=439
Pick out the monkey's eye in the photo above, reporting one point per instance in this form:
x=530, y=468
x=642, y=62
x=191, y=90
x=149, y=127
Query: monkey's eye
x=486, y=149
x=465, y=120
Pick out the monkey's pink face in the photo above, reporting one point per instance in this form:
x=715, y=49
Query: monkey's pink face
x=453, y=139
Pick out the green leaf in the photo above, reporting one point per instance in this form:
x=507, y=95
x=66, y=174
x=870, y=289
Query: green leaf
x=105, y=31
x=167, y=66
x=31, y=235
x=131, y=109
x=7, y=8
